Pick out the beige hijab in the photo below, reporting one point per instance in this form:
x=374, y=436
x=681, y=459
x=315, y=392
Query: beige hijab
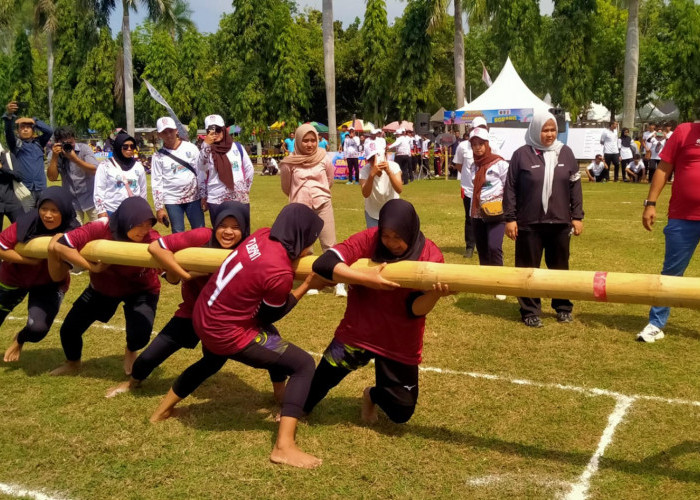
x=297, y=159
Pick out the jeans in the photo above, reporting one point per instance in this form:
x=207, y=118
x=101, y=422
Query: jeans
x=371, y=221
x=682, y=237
x=176, y=214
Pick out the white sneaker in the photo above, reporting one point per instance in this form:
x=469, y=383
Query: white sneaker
x=340, y=290
x=650, y=334
x=312, y=291
x=501, y=297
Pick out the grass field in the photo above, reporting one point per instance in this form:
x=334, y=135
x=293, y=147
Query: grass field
x=505, y=411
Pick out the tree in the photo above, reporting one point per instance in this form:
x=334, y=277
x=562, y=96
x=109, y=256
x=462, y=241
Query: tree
x=329, y=68
x=459, y=54
x=46, y=20
x=374, y=42
x=608, y=47
x=629, y=109
x=22, y=72
x=180, y=21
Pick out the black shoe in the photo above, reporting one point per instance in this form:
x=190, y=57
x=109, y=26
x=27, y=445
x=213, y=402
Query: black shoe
x=564, y=317
x=533, y=322
x=469, y=253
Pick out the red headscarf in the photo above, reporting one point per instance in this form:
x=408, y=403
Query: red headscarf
x=482, y=163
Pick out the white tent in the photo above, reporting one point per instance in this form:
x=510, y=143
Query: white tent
x=507, y=92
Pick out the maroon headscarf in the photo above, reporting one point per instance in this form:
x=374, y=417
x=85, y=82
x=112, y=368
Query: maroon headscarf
x=221, y=161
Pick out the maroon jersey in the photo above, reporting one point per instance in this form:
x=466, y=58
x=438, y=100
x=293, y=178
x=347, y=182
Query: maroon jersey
x=258, y=271
x=23, y=275
x=378, y=320
x=116, y=280
x=190, y=289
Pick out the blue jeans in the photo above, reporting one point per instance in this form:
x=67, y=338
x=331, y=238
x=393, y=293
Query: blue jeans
x=682, y=237
x=371, y=221
x=176, y=214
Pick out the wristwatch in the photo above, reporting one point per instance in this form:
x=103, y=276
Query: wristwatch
x=648, y=203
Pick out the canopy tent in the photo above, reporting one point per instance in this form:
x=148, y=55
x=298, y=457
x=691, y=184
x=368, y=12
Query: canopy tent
x=358, y=125
x=277, y=126
x=394, y=126
x=438, y=117
x=507, y=92
x=648, y=113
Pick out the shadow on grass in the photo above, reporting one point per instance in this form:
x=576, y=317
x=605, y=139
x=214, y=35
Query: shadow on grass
x=632, y=324
x=490, y=306
x=36, y=360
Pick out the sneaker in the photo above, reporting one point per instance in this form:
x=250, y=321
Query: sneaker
x=564, y=317
x=650, y=334
x=533, y=322
x=357, y=182
x=500, y=297
x=340, y=290
x=469, y=253
x=349, y=183
x=312, y=291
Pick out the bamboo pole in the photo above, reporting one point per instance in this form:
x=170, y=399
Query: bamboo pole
x=651, y=289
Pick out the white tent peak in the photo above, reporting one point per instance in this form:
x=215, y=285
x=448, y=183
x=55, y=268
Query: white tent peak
x=507, y=92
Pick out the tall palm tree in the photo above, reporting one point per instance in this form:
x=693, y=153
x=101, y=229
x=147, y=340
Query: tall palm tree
x=631, y=65
x=329, y=68
x=46, y=20
x=459, y=54
x=180, y=20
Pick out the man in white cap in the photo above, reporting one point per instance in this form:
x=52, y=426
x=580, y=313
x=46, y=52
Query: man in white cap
x=351, y=149
x=402, y=145
x=177, y=185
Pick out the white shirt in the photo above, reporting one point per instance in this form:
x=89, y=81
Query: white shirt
x=636, y=167
x=609, y=141
x=382, y=190
x=216, y=191
x=351, y=147
x=625, y=153
x=172, y=183
x=113, y=185
x=425, y=147
x=464, y=156
x=402, y=146
x=656, y=147
x=380, y=142
x=495, y=182
x=596, y=168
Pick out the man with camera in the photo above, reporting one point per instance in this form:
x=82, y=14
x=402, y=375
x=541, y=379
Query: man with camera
x=76, y=164
x=28, y=149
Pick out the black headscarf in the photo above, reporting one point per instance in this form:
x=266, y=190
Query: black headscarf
x=30, y=226
x=239, y=211
x=626, y=140
x=124, y=162
x=296, y=228
x=400, y=216
x=132, y=212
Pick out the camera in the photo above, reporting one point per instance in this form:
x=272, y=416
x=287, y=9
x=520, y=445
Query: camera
x=67, y=147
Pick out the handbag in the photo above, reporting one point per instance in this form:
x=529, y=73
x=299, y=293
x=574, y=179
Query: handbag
x=23, y=195
x=492, y=211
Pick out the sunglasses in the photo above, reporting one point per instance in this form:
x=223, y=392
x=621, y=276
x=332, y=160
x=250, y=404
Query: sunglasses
x=215, y=128
x=127, y=147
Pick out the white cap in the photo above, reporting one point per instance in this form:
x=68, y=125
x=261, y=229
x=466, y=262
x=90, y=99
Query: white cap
x=479, y=121
x=213, y=120
x=165, y=122
x=400, y=131
x=351, y=128
x=376, y=131
x=480, y=133
x=370, y=150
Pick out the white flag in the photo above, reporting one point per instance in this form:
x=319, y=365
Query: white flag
x=181, y=130
x=485, y=76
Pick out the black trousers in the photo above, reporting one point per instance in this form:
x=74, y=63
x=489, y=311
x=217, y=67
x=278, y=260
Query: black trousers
x=267, y=351
x=91, y=306
x=623, y=166
x=404, y=162
x=42, y=307
x=353, y=169
x=613, y=159
x=11, y=214
x=469, y=237
x=396, y=384
x=532, y=241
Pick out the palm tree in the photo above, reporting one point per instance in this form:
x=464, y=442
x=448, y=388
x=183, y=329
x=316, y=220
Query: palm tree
x=459, y=54
x=631, y=65
x=329, y=68
x=180, y=21
x=46, y=20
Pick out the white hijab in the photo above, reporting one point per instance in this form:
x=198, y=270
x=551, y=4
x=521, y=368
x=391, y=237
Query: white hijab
x=550, y=153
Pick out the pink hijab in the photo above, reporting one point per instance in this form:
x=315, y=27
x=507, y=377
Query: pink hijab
x=297, y=159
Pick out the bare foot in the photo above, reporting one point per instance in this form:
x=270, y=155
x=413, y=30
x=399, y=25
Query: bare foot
x=67, y=368
x=292, y=455
x=278, y=390
x=13, y=352
x=129, y=358
x=369, y=409
x=122, y=388
x=166, y=408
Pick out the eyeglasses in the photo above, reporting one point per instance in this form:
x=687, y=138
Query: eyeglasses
x=127, y=147
x=215, y=128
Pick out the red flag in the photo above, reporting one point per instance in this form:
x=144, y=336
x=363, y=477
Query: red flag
x=485, y=76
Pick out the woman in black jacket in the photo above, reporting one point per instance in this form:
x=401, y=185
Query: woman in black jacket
x=543, y=207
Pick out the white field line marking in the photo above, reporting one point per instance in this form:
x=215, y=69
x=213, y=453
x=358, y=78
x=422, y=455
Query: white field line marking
x=579, y=490
x=18, y=491
x=514, y=478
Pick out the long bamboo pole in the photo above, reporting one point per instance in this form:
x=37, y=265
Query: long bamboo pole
x=651, y=289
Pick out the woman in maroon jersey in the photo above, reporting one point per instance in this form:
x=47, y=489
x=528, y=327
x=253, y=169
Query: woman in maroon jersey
x=382, y=321
x=253, y=288
x=20, y=275
x=232, y=223
x=136, y=287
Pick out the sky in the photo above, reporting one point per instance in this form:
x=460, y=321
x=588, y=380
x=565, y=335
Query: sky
x=206, y=13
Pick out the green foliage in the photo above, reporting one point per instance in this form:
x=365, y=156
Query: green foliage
x=609, y=46
x=374, y=61
x=22, y=72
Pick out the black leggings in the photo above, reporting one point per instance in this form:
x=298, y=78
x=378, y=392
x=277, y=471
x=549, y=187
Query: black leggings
x=42, y=308
x=91, y=306
x=353, y=169
x=396, y=384
x=268, y=351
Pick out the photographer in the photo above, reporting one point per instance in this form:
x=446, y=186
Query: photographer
x=76, y=164
x=28, y=149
